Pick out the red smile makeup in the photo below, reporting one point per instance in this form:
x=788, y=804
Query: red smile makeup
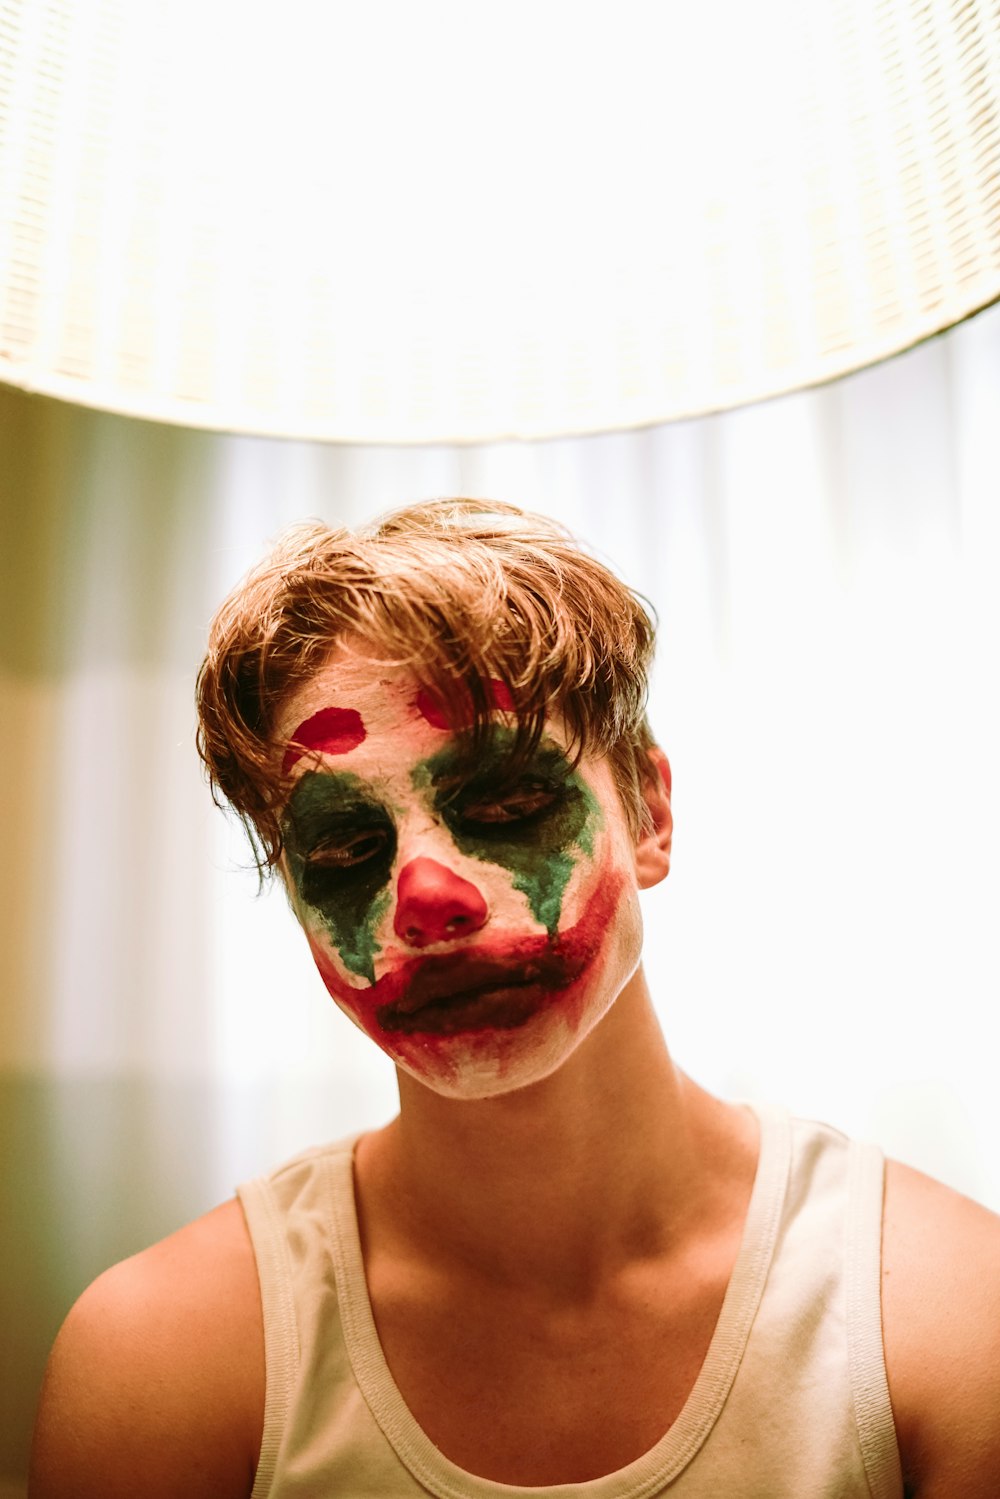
x=488, y=986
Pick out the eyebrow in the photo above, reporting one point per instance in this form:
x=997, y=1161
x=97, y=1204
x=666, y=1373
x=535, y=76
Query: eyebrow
x=447, y=772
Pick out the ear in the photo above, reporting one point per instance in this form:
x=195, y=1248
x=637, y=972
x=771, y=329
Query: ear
x=652, y=853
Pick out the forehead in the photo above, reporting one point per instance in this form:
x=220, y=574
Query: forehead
x=355, y=704
x=367, y=715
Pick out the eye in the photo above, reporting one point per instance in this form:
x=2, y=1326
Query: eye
x=348, y=850
x=519, y=804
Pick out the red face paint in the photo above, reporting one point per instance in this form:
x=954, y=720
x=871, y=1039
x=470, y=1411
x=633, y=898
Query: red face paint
x=434, y=904
x=481, y=995
x=432, y=709
x=500, y=696
x=331, y=731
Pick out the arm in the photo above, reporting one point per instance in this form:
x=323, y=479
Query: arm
x=155, y=1385
x=941, y=1329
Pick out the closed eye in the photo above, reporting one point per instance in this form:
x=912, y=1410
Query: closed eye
x=348, y=850
x=517, y=805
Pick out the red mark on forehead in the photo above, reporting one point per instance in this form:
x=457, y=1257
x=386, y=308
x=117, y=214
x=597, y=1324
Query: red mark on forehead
x=432, y=709
x=331, y=731
x=500, y=696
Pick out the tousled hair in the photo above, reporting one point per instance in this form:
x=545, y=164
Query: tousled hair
x=461, y=592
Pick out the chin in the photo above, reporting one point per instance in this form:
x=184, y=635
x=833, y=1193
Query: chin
x=492, y=1061
x=487, y=1064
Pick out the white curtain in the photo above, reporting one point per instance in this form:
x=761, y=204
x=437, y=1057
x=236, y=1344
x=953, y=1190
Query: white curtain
x=825, y=571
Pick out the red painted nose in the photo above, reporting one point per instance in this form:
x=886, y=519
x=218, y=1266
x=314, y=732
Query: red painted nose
x=436, y=905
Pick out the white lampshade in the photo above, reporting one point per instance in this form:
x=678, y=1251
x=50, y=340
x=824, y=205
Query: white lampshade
x=434, y=221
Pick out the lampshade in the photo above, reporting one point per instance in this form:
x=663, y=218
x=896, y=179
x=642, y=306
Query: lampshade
x=378, y=222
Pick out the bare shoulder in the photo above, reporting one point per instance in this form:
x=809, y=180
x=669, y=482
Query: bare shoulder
x=155, y=1385
x=941, y=1328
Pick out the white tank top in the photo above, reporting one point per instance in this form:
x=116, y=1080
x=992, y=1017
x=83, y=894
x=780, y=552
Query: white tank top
x=791, y=1402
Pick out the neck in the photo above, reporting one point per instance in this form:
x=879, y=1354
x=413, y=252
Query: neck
x=615, y=1156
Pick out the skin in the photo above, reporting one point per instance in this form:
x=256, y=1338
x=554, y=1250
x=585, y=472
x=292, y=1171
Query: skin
x=546, y=1248
x=464, y=924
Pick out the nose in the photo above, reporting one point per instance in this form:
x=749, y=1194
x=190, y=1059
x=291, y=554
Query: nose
x=434, y=904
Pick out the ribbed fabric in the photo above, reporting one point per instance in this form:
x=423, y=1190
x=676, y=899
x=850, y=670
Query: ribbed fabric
x=864, y=1319
x=791, y=1401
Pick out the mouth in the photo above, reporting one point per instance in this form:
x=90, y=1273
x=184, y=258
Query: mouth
x=501, y=1007
x=449, y=995
x=498, y=985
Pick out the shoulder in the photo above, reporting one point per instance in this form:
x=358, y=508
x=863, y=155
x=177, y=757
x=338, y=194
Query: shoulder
x=941, y=1330
x=155, y=1384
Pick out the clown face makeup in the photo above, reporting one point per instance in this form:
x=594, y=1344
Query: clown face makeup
x=476, y=929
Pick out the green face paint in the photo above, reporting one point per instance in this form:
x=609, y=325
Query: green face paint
x=340, y=838
x=340, y=843
x=530, y=826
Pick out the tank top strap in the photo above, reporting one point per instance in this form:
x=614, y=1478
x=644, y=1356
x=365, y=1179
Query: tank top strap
x=863, y=1255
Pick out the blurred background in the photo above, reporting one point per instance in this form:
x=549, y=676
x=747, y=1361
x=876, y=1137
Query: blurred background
x=716, y=296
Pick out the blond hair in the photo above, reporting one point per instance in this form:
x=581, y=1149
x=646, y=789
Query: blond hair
x=457, y=590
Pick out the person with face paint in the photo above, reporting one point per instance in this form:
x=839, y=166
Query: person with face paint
x=564, y=1269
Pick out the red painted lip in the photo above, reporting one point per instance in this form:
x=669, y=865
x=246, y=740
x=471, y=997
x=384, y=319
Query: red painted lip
x=431, y=995
x=457, y=980
x=500, y=1007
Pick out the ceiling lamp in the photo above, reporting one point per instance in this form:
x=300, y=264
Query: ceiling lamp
x=398, y=222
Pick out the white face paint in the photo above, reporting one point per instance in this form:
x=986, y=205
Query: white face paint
x=476, y=934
